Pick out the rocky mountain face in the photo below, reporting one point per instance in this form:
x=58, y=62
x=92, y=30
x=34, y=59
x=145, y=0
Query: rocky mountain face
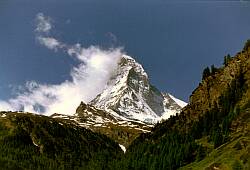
x=130, y=96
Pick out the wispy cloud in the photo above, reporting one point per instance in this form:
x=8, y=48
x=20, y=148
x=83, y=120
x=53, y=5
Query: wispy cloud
x=43, y=28
x=50, y=42
x=43, y=23
x=89, y=78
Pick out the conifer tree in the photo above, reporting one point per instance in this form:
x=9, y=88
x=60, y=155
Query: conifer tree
x=213, y=69
x=206, y=73
x=227, y=58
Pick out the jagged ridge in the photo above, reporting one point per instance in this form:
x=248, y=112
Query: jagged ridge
x=129, y=95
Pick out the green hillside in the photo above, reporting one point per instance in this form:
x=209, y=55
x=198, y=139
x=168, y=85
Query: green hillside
x=30, y=141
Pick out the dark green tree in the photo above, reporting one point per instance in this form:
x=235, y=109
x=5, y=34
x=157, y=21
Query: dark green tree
x=227, y=58
x=200, y=153
x=206, y=73
x=217, y=138
x=213, y=69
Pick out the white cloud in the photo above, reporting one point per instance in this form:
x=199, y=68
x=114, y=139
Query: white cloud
x=43, y=29
x=43, y=23
x=89, y=78
x=50, y=42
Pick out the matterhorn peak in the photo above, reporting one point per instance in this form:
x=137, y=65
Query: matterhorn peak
x=130, y=95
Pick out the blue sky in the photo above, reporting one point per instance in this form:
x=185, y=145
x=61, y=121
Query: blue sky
x=173, y=40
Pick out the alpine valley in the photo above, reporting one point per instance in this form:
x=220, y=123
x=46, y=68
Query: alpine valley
x=132, y=125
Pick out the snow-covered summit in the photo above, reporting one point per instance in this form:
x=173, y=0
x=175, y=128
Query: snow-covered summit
x=129, y=95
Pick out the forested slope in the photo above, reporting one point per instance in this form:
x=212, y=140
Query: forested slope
x=30, y=141
x=215, y=121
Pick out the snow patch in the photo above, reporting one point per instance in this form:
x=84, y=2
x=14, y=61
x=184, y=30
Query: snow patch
x=123, y=148
x=178, y=101
x=167, y=114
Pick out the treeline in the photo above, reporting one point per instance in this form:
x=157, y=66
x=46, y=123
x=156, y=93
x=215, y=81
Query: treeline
x=212, y=70
x=209, y=72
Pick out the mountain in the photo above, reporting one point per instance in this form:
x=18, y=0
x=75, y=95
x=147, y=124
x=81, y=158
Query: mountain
x=29, y=141
x=128, y=106
x=211, y=132
x=129, y=95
